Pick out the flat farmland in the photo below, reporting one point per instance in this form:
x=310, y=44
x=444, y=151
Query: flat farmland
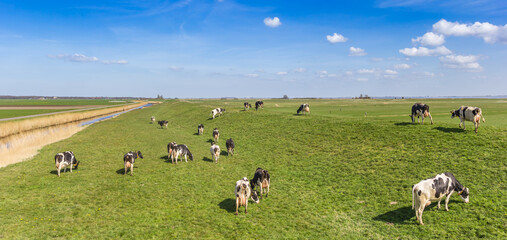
x=344, y=171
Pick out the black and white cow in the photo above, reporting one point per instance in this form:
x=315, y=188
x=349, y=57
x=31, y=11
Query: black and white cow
x=181, y=150
x=64, y=160
x=259, y=104
x=200, y=129
x=262, y=180
x=242, y=192
x=170, y=148
x=435, y=189
x=472, y=114
x=247, y=105
x=129, y=159
x=230, y=146
x=304, y=108
x=216, y=134
x=215, y=152
x=163, y=123
x=420, y=110
x=152, y=119
x=218, y=111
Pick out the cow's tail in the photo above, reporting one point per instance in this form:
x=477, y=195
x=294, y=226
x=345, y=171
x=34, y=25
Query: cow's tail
x=483, y=120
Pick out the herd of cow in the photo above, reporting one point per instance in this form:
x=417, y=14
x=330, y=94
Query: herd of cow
x=433, y=189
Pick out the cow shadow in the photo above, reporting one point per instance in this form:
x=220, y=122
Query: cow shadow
x=211, y=140
x=403, y=123
x=207, y=159
x=398, y=216
x=55, y=172
x=166, y=159
x=223, y=153
x=122, y=171
x=196, y=133
x=451, y=130
x=228, y=204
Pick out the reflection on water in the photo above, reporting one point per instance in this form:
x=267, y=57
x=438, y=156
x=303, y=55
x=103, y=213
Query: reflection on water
x=23, y=146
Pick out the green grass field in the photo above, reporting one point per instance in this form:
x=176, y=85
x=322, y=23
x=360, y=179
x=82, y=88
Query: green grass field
x=26, y=112
x=335, y=174
x=57, y=102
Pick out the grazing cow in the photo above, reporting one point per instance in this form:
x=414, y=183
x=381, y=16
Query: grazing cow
x=261, y=179
x=420, y=110
x=181, y=149
x=436, y=188
x=247, y=105
x=216, y=134
x=242, y=191
x=230, y=146
x=259, y=104
x=170, y=148
x=473, y=114
x=129, y=159
x=163, y=123
x=218, y=111
x=200, y=129
x=62, y=160
x=304, y=108
x=215, y=152
x=152, y=119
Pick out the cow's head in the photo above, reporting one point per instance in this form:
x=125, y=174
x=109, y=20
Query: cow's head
x=254, y=197
x=464, y=194
x=139, y=154
x=455, y=113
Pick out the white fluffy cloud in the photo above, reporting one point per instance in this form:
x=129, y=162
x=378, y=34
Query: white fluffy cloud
x=366, y=71
x=422, y=51
x=468, y=62
x=272, y=22
x=322, y=74
x=430, y=39
x=281, y=73
x=402, y=66
x=488, y=32
x=336, y=38
x=114, y=62
x=300, y=70
x=74, y=57
x=357, y=52
x=390, y=72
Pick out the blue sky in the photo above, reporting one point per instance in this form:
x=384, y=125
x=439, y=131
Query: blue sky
x=258, y=48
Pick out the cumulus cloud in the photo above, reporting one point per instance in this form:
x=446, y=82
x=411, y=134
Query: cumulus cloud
x=490, y=33
x=430, y=39
x=336, y=38
x=114, y=62
x=468, y=62
x=74, y=57
x=390, y=72
x=281, y=73
x=357, y=52
x=300, y=70
x=322, y=74
x=175, y=68
x=366, y=71
x=422, y=51
x=402, y=66
x=362, y=79
x=272, y=22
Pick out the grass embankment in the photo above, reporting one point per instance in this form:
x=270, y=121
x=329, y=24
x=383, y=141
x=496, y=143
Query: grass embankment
x=17, y=126
x=335, y=176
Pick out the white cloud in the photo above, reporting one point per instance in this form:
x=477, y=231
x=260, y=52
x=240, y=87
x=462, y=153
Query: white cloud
x=430, y=39
x=356, y=52
x=429, y=74
x=488, y=32
x=402, y=66
x=390, y=72
x=462, y=62
x=349, y=73
x=114, y=62
x=272, y=22
x=300, y=70
x=366, y=71
x=251, y=75
x=323, y=73
x=74, y=57
x=422, y=51
x=362, y=79
x=281, y=73
x=175, y=68
x=336, y=38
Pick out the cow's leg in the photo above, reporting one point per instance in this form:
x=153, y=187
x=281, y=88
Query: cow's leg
x=477, y=121
x=131, y=169
x=237, y=205
x=422, y=117
x=260, y=186
x=431, y=119
x=59, y=169
x=246, y=205
x=421, y=210
x=70, y=166
x=125, y=165
x=268, y=189
x=438, y=205
x=447, y=201
x=464, y=127
x=185, y=158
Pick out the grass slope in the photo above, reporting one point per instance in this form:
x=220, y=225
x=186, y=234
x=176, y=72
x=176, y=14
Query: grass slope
x=334, y=175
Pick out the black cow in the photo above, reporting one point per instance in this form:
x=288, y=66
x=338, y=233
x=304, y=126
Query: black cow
x=200, y=129
x=230, y=146
x=163, y=123
x=262, y=179
x=259, y=104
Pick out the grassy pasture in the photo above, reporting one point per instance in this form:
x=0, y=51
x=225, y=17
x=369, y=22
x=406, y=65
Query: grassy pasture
x=26, y=112
x=57, y=102
x=335, y=174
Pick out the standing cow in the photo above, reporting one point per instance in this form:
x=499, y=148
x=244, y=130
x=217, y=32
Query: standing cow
x=259, y=104
x=129, y=159
x=230, y=146
x=435, y=189
x=215, y=152
x=64, y=160
x=472, y=114
x=420, y=110
x=242, y=192
x=200, y=129
x=304, y=108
